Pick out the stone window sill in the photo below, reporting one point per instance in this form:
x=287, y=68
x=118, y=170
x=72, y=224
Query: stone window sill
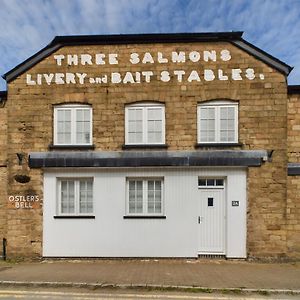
x=144, y=217
x=145, y=146
x=71, y=147
x=74, y=217
x=218, y=145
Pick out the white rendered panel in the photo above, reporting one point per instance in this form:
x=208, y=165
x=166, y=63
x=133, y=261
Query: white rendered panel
x=112, y=235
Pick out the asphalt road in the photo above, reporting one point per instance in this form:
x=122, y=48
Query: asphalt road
x=60, y=294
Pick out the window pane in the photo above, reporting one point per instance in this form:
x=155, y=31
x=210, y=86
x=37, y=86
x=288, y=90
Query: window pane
x=150, y=185
x=210, y=136
x=67, y=197
x=135, y=196
x=63, y=126
x=207, y=124
x=85, y=196
x=210, y=182
x=155, y=113
x=211, y=113
x=227, y=124
x=64, y=115
x=87, y=115
x=150, y=196
x=73, y=119
x=154, y=196
x=83, y=126
x=201, y=182
x=151, y=137
x=231, y=136
x=219, y=182
x=158, y=185
x=139, y=114
x=148, y=130
x=223, y=136
x=230, y=124
x=131, y=114
x=151, y=207
x=135, y=114
x=79, y=115
x=131, y=185
x=154, y=125
x=135, y=130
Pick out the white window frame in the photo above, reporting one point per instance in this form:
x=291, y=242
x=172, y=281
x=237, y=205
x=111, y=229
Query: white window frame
x=76, y=198
x=217, y=105
x=73, y=108
x=145, y=196
x=145, y=106
x=215, y=186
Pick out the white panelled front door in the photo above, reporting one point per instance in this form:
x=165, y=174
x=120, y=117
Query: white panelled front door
x=211, y=221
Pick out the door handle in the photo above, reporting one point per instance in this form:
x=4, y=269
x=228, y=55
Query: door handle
x=200, y=220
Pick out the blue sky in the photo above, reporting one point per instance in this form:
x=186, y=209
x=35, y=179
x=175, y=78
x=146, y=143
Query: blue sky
x=26, y=26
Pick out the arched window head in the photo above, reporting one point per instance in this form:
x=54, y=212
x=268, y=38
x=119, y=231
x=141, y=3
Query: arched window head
x=145, y=124
x=73, y=125
x=217, y=122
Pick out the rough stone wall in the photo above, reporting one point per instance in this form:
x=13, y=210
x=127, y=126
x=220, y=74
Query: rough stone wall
x=262, y=125
x=293, y=192
x=3, y=172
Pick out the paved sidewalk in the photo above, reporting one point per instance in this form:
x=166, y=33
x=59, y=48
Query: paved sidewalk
x=213, y=274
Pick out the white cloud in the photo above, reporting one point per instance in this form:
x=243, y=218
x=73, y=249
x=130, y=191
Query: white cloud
x=28, y=25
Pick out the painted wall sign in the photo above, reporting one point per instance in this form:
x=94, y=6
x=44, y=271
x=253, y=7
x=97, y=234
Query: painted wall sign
x=176, y=58
x=24, y=202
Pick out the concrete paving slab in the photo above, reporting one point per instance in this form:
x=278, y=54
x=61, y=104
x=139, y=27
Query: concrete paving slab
x=178, y=272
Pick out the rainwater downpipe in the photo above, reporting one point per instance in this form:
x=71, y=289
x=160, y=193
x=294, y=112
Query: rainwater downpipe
x=4, y=243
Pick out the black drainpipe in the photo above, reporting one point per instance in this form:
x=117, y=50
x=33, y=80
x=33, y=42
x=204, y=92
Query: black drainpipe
x=4, y=243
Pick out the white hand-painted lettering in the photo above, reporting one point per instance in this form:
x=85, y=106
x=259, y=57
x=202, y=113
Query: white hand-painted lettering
x=161, y=59
x=86, y=59
x=179, y=74
x=250, y=74
x=236, y=74
x=99, y=60
x=178, y=57
x=134, y=58
x=221, y=76
x=209, y=75
x=165, y=76
x=210, y=55
x=113, y=59
x=225, y=55
x=147, y=75
x=128, y=78
x=194, y=76
x=148, y=58
x=72, y=60
x=59, y=58
x=194, y=56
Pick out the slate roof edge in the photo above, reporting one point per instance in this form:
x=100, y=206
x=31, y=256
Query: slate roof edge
x=60, y=41
x=263, y=56
x=147, y=158
x=293, y=89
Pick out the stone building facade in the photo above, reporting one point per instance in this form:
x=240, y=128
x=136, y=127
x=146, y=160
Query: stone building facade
x=124, y=146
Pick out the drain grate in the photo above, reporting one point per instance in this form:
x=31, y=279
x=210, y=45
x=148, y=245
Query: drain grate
x=212, y=256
